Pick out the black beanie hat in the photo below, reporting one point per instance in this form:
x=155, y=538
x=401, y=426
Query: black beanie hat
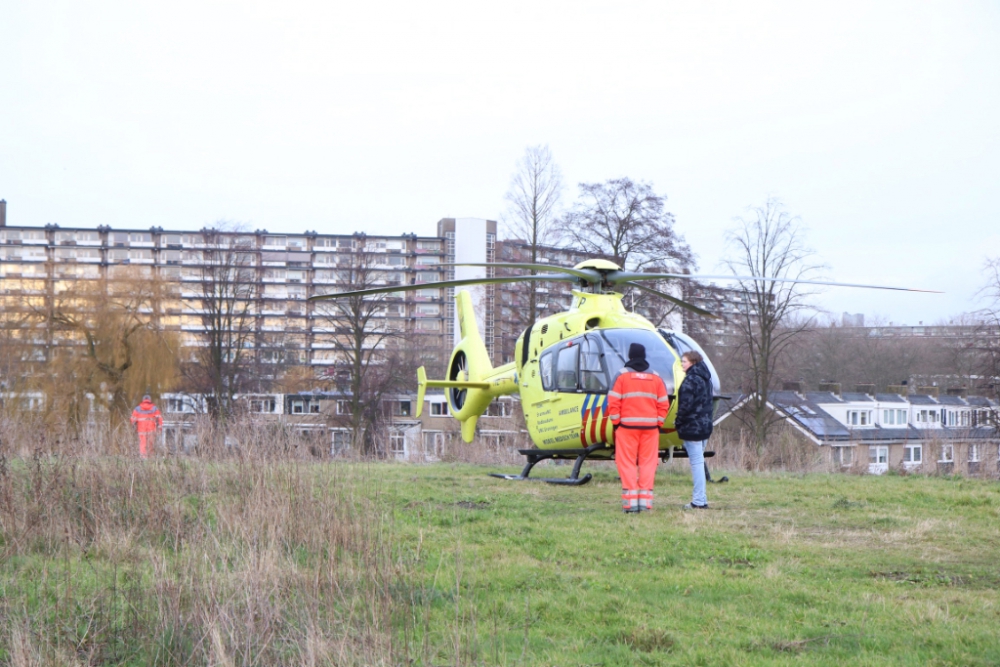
x=637, y=358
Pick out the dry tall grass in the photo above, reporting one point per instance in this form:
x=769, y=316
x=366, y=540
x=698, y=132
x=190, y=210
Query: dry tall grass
x=179, y=561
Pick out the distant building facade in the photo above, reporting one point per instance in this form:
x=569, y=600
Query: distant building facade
x=40, y=264
x=876, y=432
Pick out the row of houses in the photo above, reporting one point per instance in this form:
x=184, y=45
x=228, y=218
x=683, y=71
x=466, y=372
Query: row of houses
x=881, y=431
x=321, y=418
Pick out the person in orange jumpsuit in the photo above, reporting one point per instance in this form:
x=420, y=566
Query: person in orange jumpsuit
x=637, y=406
x=147, y=421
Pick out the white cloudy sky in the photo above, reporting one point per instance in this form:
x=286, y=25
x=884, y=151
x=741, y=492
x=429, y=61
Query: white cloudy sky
x=877, y=123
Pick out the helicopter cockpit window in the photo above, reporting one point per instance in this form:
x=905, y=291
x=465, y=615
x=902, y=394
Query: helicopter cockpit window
x=566, y=368
x=545, y=369
x=592, y=375
x=661, y=359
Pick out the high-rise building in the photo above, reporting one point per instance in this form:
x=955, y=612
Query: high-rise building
x=42, y=267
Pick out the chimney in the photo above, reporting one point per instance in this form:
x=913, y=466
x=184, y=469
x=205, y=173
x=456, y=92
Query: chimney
x=792, y=386
x=832, y=387
x=897, y=389
x=961, y=392
x=3, y=212
x=928, y=391
x=865, y=389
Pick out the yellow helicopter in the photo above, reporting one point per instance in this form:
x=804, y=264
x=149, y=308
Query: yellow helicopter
x=565, y=363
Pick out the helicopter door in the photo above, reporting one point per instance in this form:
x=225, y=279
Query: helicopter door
x=566, y=368
x=593, y=375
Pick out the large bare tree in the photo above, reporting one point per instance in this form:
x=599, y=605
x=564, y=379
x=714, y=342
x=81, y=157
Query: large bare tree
x=533, y=198
x=368, y=367
x=989, y=337
x=627, y=222
x=769, y=243
x=230, y=288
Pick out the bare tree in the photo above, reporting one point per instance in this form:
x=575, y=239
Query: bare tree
x=989, y=336
x=121, y=351
x=367, y=366
x=533, y=196
x=626, y=222
x=230, y=287
x=768, y=243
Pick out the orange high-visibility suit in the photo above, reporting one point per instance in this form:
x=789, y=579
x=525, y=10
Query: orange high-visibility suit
x=147, y=421
x=637, y=406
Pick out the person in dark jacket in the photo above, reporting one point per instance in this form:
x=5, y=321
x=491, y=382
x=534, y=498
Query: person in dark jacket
x=694, y=421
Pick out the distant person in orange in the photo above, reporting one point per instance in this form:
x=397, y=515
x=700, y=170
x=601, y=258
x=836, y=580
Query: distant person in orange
x=147, y=421
x=637, y=406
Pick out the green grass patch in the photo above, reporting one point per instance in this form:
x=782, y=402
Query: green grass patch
x=804, y=569
x=186, y=562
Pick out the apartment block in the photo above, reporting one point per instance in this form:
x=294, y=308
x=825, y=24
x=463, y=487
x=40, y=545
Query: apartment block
x=39, y=265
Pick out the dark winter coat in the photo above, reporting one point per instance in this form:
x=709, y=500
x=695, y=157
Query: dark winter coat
x=694, y=405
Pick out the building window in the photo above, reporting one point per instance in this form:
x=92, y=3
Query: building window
x=947, y=454
x=340, y=441
x=878, y=455
x=901, y=417
x=343, y=407
x=179, y=405
x=298, y=407
x=439, y=409
x=975, y=453
x=404, y=408
x=433, y=442
x=397, y=442
x=843, y=456
x=913, y=454
x=888, y=417
x=266, y=405
x=859, y=417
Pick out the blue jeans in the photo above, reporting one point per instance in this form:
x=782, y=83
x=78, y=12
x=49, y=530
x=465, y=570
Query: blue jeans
x=696, y=455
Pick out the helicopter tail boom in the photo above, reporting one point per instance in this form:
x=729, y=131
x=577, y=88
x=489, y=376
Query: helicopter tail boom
x=472, y=382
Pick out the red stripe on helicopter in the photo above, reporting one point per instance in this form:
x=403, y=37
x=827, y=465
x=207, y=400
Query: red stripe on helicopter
x=590, y=419
x=604, y=421
x=593, y=423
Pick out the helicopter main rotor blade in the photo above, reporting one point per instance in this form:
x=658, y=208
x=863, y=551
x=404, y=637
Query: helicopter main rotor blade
x=631, y=276
x=443, y=283
x=674, y=300
x=583, y=274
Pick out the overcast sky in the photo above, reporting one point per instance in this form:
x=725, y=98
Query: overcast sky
x=876, y=123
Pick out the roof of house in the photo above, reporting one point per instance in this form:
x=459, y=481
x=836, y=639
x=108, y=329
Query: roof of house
x=921, y=399
x=980, y=401
x=856, y=397
x=951, y=400
x=889, y=398
x=807, y=413
x=822, y=397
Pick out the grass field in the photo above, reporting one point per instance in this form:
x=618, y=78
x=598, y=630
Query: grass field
x=186, y=562
x=814, y=569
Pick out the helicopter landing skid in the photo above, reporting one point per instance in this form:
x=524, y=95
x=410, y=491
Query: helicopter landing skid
x=536, y=455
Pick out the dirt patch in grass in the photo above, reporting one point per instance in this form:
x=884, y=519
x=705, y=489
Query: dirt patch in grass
x=796, y=646
x=647, y=640
x=473, y=505
x=938, y=578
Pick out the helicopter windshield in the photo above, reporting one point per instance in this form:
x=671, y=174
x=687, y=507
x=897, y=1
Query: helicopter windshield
x=683, y=343
x=658, y=354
